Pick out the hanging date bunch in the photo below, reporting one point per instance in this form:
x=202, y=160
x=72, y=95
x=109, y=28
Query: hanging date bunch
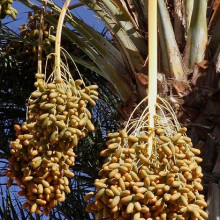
x=43, y=151
x=30, y=31
x=57, y=119
x=7, y=9
x=134, y=184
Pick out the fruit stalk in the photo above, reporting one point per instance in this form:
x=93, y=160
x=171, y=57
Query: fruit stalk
x=152, y=69
x=58, y=38
x=41, y=38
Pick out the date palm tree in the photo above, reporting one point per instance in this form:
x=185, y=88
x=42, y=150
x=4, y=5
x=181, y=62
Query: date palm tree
x=189, y=63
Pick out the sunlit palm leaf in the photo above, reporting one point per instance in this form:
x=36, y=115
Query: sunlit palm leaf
x=196, y=35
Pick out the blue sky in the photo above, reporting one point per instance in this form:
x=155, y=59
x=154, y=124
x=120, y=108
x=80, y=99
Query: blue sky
x=22, y=17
